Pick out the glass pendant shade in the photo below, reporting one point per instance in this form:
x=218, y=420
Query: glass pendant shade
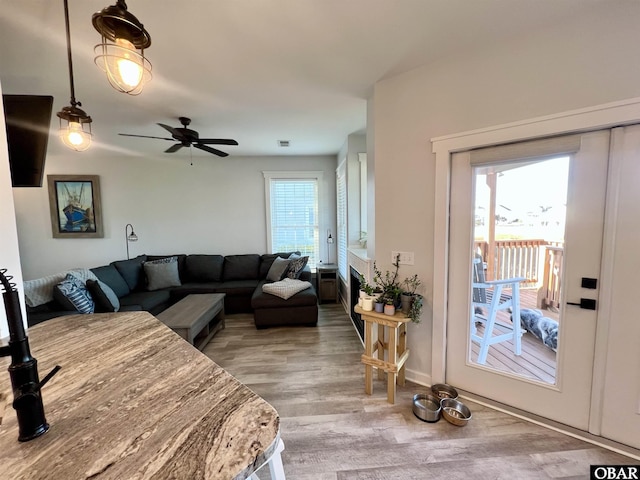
x=121, y=53
x=127, y=70
x=75, y=128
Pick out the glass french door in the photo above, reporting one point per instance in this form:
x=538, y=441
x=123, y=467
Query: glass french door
x=526, y=232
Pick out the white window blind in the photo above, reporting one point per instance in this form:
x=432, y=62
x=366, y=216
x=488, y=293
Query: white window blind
x=292, y=215
x=341, y=203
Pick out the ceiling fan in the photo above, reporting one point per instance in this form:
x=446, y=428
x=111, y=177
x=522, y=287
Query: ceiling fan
x=187, y=138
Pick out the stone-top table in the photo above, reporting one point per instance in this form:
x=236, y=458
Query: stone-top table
x=134, y=401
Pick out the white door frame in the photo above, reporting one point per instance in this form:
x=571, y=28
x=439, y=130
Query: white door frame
x=593, y=118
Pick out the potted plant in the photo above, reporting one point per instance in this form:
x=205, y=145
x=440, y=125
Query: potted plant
x=416, y=308
x=410, y=285
x=389, y=308
x=392, y=293
x=388, y=283
x=378, y=304
x=366, y=289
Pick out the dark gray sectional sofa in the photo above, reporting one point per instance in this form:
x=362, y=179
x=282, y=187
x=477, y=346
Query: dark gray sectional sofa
x=240, y=277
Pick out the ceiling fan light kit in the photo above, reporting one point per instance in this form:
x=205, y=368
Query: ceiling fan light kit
x=75, y=124
x=121, y=53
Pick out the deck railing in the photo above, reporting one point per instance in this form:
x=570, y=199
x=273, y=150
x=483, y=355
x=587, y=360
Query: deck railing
x=516, y=258
x=549, y=293
x=538, y=261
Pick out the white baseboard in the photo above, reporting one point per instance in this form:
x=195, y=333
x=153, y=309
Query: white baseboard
x=418, y=377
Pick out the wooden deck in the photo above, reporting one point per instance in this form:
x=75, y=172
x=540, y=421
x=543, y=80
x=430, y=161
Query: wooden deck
x=537, y=361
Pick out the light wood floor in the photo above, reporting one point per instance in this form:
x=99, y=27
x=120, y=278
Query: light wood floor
x=332, y=430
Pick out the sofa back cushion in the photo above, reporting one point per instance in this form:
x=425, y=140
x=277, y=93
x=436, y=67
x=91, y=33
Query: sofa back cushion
x=267, y=259
x=109, y=274
x=131, y=271
x=241, y=267
x=203, y=268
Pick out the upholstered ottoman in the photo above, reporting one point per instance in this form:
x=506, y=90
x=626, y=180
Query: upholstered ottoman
x=272, y=311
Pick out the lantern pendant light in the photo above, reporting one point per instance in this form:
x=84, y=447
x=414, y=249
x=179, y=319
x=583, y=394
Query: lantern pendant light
x=121, y=53
x=76, y=132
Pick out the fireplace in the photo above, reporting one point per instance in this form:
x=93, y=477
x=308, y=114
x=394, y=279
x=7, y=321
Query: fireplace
x=354, y=293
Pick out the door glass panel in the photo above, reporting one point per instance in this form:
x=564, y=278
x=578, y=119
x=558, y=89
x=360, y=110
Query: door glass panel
x=518, y=245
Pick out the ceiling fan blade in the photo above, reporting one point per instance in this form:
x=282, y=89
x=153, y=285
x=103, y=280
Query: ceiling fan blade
x=173, y=148
x=145, y=136
x=171, y=130
x=218, y=141
x=210, y=150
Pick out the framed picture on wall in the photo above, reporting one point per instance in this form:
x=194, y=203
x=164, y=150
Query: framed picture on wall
x=74, y=203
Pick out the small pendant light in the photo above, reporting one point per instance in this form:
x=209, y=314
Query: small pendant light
x=121, y=53
x=76, y=132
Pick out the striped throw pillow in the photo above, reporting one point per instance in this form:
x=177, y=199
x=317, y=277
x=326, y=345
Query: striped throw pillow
x=76, y=292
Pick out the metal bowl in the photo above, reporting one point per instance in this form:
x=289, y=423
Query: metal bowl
x=442, y=390
x=426, y=407
x=455, y=412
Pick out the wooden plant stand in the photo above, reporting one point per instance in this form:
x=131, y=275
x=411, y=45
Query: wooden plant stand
x=396, y=348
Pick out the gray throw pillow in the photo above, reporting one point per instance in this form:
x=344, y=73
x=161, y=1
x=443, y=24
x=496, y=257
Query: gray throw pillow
x=278, y=269
x=162, y=273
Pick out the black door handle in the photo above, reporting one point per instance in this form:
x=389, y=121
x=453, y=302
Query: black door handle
x=586, y=303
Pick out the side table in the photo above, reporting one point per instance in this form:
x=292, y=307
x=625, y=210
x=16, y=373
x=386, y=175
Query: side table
x=395, y=327
x=327, y=275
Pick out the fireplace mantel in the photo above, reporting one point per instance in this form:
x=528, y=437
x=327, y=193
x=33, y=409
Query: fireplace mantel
x=358, y=259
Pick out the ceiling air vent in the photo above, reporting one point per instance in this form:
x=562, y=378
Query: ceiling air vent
x=283, y=143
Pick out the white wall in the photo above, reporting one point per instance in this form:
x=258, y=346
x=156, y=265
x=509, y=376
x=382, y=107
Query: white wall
x=589, y=61
x=9, y=253
x=215, y=206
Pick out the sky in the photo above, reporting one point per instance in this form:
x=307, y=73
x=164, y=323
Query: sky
x=526, y=189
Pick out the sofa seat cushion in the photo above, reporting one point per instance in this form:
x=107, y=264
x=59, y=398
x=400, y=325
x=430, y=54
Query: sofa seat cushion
x=261, y=299
x=146, y=300
x=192, y=288
x=238, y=288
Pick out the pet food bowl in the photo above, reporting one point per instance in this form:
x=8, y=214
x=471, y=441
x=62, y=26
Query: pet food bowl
x=426, y=407
x=455, y=412
x=442, y=390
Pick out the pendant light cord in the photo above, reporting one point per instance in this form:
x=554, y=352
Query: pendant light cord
x=71, y=86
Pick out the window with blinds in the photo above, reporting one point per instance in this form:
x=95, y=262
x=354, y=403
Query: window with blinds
x=292, y=213
x=341, y=203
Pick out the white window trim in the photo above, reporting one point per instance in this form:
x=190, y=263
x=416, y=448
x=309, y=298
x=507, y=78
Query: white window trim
x=300, y=175
x=341, y=175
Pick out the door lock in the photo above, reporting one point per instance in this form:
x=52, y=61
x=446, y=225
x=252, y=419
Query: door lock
x=586, y=303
